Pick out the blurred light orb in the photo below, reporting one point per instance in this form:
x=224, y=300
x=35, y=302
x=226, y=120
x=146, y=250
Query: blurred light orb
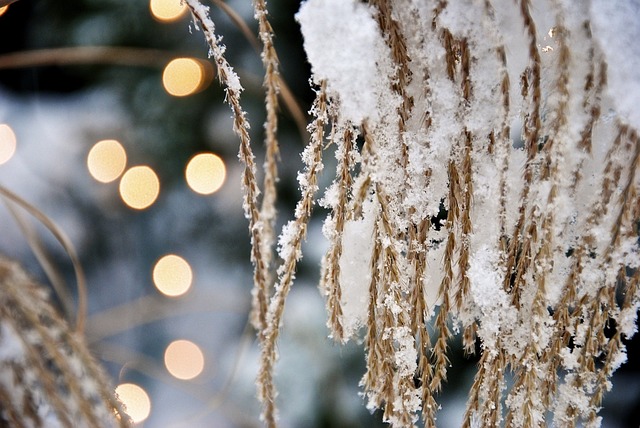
x=106, y=160
x=184, y=359
x=172, y=275
x=135, y=400
x=205, y=173
x=167, y=10
x=7, y=143
x=3, y=9
x=139, y=187
x=185, y=76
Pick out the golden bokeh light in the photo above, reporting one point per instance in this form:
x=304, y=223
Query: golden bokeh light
x=205, y=173
x=106, y=160
x=7, y=143
x=139, y=187
x=167, y=10
x=135, y=400
x=172, y=275
x=186, y=76
x=184, y=359
x=3, y=9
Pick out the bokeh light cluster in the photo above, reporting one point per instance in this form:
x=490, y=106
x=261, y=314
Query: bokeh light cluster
x=139, y=187
x=173, y=277
x=183, y=359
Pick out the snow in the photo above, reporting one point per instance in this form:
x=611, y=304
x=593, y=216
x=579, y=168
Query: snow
x=498, y=317
x=406, y=355
x=342, y=37
x=286, y=241
x=355, y=269
x=628, y=320
x=615, y=27
x=548, y=192
x=11, y=347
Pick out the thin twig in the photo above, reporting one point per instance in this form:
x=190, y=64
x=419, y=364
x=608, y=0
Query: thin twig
x=62, y=238
x=112, y=55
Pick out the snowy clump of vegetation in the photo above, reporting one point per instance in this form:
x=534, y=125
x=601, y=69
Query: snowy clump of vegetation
x=486, y=187
x=48, y=377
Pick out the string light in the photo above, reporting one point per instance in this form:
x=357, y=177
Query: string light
x=106, y=160
x=7, y=143
x=205, y=173
x=184, y=359
x=172, y=275
x=3, y=9
x=135, y=400
x=167, y=10
x=139, y=187
x=186, y=76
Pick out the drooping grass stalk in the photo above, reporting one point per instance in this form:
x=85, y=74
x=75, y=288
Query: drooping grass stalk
x=233, y=88
x=330, y=283
x=268, y=207
x=290, y=252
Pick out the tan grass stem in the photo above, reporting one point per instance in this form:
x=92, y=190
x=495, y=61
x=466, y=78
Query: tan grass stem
x=292, y=246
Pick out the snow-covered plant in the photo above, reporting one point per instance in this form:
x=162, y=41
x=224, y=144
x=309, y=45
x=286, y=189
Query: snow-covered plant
x=48, y=377
x=486, y=187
